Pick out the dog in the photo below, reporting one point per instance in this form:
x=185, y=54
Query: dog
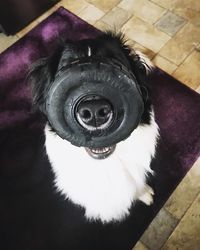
x=101, y=133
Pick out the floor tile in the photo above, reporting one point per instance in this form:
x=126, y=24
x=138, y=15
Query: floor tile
x=145, y=34
x=104, y=5
x=147, y=52
x=102, y=26
x=159, y=230
x=140, y=246
x=116, y=23
x=168, y=4
x=198, y=89
x=164, y=64
x=197, y=47
x=189, y=9
x=170, y=23
x=143, y=9
x=6, y=41
x=74, y=6
x=186, y=235
x=189, y=72
x=182, y=44
x=185, y=193
x=195, y=18
x=191, y=15
x=91, y=14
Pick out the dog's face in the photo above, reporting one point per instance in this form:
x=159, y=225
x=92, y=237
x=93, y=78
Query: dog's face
x=92, y=92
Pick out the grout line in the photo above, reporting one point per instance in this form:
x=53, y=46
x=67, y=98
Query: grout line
x=190, y=205
x=167, y=59
x=158, y=4
x=131, y=16
x=171, y=212
x=107, y=11
x=145, y=245
x=164, y=13
x=152, y=26
x=173, y=38
x=180, y=219
x=77, y=14
x=192, y=50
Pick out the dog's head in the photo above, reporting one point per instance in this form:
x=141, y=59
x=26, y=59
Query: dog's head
x=92, y=92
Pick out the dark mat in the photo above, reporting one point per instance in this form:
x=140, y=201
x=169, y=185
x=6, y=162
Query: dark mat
x=31, y=214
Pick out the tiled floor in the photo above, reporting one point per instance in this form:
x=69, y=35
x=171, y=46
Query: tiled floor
x=168, y=31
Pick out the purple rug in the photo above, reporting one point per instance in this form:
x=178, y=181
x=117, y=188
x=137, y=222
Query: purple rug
x=176, y=109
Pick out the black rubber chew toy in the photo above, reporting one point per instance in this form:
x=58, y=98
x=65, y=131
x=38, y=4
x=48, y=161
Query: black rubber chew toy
x=94, y=80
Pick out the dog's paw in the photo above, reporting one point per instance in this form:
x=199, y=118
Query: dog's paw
x=147, y=195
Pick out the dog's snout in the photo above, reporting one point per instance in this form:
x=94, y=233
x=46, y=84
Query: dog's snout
x=94, y=113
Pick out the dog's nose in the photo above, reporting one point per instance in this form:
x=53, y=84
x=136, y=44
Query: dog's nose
x=94, y=113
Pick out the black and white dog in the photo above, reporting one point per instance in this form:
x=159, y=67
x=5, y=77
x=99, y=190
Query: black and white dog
x=101, y=134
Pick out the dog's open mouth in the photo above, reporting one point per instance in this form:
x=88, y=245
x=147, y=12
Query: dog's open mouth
x=100, y=153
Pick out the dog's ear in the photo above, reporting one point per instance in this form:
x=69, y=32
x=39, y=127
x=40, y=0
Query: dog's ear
x=41, y=76
x=138, y=63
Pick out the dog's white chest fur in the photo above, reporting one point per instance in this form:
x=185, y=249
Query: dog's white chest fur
x=105, y=188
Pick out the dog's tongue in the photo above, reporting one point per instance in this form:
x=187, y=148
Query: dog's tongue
x=100, y=153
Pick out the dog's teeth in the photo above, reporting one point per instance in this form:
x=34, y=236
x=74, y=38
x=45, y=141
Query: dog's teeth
x=101, y=150
x=100, y=153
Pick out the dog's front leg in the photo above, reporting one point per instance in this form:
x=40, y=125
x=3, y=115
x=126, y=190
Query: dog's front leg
x=146, y=195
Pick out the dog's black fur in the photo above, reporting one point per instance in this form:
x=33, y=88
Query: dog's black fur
x=37, y=217
x=109, y=46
